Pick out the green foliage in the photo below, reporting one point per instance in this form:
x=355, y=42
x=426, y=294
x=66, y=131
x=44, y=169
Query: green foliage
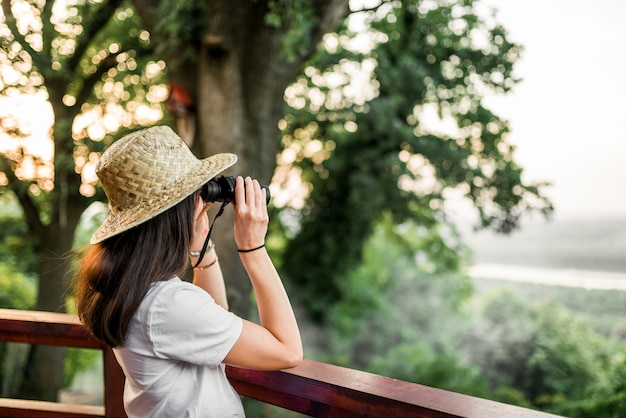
x=17, y=291
x=373, y=151
x=567, y=357
x=90, y=221
x=16, y=244
x=182, y=26
x=603, y=310
x=424, y=365
x=297, y=20
x=605, y=406
x=509, y=395
x=414, y=327
x=542, y=351
x=401, y=263
x=78, y=360
x=403, y=313
x=607, y=401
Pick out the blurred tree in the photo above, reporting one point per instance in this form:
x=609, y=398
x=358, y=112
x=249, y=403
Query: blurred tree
x=17, y=285
x=382, y=293
x=422, y=364
x=414, y=329
x=403, y=139
x=543, y=351
x=17, y=291
x=88, y=61
x=17, y=252
x=607, y=401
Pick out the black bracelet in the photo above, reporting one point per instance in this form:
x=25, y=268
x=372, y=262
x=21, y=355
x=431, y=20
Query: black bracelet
x=251, y=249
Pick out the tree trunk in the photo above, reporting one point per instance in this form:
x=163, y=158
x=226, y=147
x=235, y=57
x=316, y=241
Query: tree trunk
x=241, y=81
x=44, y=372
x=238, y=80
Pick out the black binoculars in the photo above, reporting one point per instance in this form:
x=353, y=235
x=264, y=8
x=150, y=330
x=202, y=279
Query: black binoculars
x=222, y=189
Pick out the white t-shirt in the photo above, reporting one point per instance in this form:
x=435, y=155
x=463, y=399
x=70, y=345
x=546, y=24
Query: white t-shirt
x=173, y=354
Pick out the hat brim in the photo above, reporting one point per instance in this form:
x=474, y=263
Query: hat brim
x=178, y=190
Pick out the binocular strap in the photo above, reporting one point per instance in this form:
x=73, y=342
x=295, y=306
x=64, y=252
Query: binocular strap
x=208, y=236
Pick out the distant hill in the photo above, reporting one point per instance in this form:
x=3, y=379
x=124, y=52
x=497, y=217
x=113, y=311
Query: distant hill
x=590, y=244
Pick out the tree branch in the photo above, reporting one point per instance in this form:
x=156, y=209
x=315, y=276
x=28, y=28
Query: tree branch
x=20, y=188
x=148, y=13
x=47, y=31
x=368, y=9
x=91, y=27
x=39, y=60
x=329, y=13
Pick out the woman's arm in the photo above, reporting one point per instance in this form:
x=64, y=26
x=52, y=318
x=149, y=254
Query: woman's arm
x=275, y=343
x=208, y=275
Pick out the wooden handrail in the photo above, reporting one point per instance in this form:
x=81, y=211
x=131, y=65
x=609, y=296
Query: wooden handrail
x=49, y=328
x=65, y=330
x=325, y=390
x=313, y=388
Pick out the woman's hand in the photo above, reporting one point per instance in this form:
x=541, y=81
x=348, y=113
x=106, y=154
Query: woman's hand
x=251, y=217
x=201, y=225
x=274, y=343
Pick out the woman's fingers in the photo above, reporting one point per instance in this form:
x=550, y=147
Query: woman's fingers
x=251, y=216
x=240, y=192
x=251, y=195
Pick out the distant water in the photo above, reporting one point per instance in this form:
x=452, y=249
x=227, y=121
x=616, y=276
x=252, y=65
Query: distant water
x=588, y=253
x=550, y=276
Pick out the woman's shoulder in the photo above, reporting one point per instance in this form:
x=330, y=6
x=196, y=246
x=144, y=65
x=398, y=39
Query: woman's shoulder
x=169, y=293
x=171, y=285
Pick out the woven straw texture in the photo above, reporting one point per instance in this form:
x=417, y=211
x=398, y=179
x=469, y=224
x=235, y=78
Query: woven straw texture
x=147, y=172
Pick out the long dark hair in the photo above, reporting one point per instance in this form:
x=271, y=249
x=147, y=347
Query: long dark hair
x=115, y=274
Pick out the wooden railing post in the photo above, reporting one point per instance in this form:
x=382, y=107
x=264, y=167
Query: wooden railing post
x=114, y=385
x=34, y=327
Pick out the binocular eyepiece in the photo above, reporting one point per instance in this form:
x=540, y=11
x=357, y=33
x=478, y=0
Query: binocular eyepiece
x=222, y=189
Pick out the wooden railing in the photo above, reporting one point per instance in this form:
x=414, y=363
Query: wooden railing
x=56, y=329
x=313, y=388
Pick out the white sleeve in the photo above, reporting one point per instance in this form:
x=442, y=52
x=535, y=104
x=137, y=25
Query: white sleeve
x=187, y=324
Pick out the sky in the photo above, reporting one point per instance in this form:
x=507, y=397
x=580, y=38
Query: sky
x=567, y=118
x=568, y=114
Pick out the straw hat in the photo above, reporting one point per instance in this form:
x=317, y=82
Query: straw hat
x=147, y=172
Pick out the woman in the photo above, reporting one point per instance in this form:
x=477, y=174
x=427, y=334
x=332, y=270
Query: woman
x=172, y=338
